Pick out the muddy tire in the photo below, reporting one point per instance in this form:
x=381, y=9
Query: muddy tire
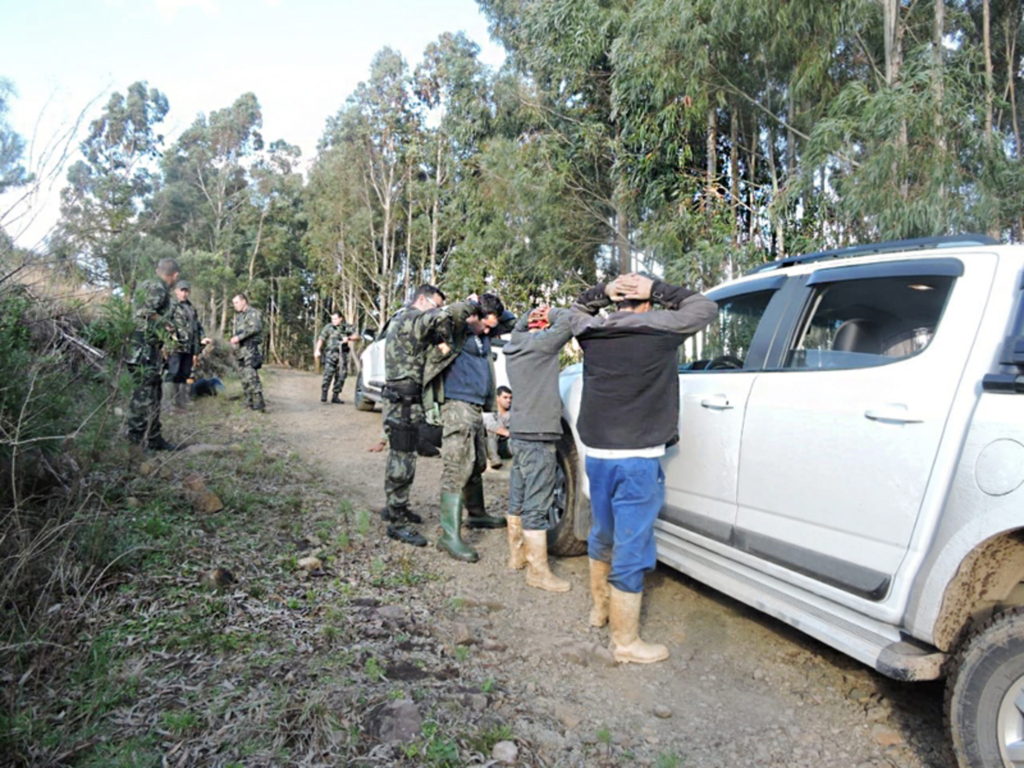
x=985, y=695
x=562, y=539
x=363, y=403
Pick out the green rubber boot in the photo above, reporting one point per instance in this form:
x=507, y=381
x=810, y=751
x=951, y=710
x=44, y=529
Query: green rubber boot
x=450, y=540
x=476, y=513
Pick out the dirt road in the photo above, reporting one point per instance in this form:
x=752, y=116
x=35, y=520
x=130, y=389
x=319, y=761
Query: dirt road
x=740, y=689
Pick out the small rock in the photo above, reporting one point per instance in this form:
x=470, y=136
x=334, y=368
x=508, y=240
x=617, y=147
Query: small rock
x=310, y=563
x=397, y=721
x=660, y=710
x=877, y=715
x=203, y=499
x=463, y=635
x=314, y=541
x=490, y=644
x=885, y=736
x=478, y=702
x=393, y=612
x=132, y=503
x=147, y=468
x=567, y=716
x=505, y=752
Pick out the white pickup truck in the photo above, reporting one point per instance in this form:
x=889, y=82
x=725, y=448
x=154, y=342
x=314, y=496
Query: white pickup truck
x=851, y=462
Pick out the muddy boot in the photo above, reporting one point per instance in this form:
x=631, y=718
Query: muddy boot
x=406, y=535
x=337, y=400
x=159, y=444
x=538, y=574
x=451, y=530
x=476, y=514
x=599, y=571
x=624, y=617
x=258, y=404
x=400, y=515
x=323, y=394
x=516, y=551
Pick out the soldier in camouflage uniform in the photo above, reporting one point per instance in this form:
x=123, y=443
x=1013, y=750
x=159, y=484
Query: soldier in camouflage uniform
x=332, y=349
x=145, y=358
x=247, y=341
x=189, y=338
x=418, y=329
x=462, y=381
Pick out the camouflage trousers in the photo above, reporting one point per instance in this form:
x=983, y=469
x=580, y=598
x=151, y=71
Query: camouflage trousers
x=401, y=469
x=252, y=389
x=144, y=408
x=463, y=448
x=531, y=484
x=335, y=367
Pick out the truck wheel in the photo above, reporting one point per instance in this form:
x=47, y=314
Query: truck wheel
x=363, y=403
x=985, y=695
x=562, y=539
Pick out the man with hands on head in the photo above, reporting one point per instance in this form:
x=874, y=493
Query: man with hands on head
x=531, y=360
x=461, y=380
x=629, y=413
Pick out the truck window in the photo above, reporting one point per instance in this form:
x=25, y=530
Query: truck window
x=724, y=344
x=876, y=321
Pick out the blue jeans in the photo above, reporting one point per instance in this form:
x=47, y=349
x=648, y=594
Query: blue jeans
x=626, y=496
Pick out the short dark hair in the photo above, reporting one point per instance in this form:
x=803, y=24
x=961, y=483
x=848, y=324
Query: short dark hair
x=241, y=296
x=335, y=313
x=490, y=304
x=503, y=389
x=167, y=267
x=630, y=303
x=429, y=291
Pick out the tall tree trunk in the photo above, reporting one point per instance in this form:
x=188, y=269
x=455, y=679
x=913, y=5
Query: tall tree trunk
x=752, y=213
x=408, y=233
x=893, y=39
x=224, y=313
x=986, y=37
x=435, y=221
x=712, y=155
x=938, y=87
x=734, y=175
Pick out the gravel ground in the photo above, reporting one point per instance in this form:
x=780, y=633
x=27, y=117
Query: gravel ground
x=739, y=689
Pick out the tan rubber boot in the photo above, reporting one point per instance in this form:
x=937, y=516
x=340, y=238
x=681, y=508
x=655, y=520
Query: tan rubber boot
x=516, y=549
x=599, y=571
x=624, y=616
x=537, y=572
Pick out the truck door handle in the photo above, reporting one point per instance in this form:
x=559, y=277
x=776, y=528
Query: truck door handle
x=893, y=412
x=716, y=402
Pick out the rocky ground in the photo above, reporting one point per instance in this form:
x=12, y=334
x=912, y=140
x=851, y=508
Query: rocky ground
x=739, y=688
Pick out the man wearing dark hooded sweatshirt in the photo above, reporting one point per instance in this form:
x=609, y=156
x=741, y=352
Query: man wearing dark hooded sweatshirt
x=531, y=362
x=629, y=412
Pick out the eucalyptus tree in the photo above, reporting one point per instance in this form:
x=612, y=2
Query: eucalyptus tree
x=454, y=86
x=106, y=189
x=12, y=145
x=206, y=190
x=565, y=46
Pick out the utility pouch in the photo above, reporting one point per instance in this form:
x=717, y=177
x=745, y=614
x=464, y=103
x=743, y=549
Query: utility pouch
x=403, y=436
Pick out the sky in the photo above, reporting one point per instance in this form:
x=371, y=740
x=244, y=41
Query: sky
x=302, y=59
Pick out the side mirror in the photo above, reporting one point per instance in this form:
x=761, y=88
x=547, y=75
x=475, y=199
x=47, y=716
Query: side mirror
x=368, y=335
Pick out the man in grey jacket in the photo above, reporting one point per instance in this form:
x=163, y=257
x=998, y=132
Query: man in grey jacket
x=531, y=361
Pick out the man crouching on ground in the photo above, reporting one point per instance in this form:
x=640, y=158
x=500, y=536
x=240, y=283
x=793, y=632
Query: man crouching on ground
x=629, y=412
x=462, y=381
x=531, y=360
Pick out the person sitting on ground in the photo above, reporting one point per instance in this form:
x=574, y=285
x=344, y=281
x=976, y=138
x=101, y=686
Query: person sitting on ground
x=496, y=424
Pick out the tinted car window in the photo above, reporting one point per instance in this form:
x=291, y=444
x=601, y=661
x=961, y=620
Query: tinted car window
x=862, y=323
x=724, y=344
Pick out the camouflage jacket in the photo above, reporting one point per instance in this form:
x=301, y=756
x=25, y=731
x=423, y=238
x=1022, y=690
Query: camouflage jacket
x=153, y=313
x=458, y=331
x=334, y=338
x=188, y=330
x=248, y=328
x=410, y=336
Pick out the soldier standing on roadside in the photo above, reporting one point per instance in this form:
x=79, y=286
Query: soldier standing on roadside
x=332, y=349
x=419, y=328
x=189, y=339
x=247, y=341
x=145, y=358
